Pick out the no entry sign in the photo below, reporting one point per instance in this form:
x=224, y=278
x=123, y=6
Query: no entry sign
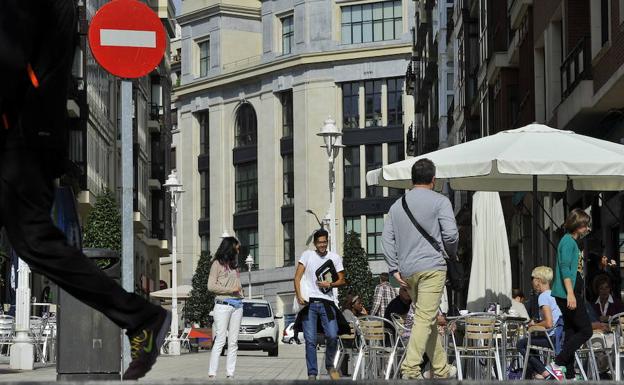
x=127, y=38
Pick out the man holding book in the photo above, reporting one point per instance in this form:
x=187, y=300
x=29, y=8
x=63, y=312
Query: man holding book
x=323, y=272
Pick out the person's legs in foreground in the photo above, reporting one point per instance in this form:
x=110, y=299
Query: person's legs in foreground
x=535, y=366
x=309, y=335
x=426, y=291
x=25, y=207
x=235, y=321
x=222, y=318
x=330, y=327
x=577, y=331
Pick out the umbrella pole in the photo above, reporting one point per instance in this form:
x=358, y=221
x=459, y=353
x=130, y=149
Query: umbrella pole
x=534, y=227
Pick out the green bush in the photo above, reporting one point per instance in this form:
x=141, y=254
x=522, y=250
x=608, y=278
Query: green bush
x=103, y=227
x=357, y=271
x=201, y=301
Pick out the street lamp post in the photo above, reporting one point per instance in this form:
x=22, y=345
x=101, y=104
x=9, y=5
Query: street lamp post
x=175, y=189
x=333, y=143
x=22, y=350
x=249, y=262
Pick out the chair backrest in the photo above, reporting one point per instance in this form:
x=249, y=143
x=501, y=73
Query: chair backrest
x=376, y=331
x=480, y=327
x=185, y=333
x=617, y=324
x=399, y=325
x=351, y=334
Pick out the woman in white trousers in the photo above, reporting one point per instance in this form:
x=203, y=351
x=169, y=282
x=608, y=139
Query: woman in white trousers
x=224, y=281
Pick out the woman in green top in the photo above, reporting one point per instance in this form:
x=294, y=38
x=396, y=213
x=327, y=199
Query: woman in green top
x=568, y=292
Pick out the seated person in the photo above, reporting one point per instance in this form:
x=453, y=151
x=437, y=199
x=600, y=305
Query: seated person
x=517, y=304
x=550, y=318
x=605, y=306
x=600, y=329
x=400, y=305
x=352, y=308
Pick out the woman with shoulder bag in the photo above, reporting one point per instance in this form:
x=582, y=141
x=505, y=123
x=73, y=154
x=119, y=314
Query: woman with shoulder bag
x=224, y=281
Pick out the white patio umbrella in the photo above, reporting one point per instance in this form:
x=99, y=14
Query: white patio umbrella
x=509, y=161
x=184, y=291
x=532, y=158
x=491, y=264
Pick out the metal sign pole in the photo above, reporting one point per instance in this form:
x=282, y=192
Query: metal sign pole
x=127, y=212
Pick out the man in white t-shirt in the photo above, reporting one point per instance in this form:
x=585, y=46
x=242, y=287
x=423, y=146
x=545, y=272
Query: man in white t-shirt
x=323, y=271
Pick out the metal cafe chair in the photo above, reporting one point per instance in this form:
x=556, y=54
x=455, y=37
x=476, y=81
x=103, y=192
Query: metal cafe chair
x=479, y=342
x=400, y=347
x=617, y=323
x=376, y=342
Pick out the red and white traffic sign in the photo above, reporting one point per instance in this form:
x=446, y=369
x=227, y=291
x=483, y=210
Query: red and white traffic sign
x=127, y=38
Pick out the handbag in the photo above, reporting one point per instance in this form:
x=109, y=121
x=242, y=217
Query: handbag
x=455, y=277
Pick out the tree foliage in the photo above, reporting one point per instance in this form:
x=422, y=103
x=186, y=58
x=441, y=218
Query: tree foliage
x=201, y=301
x=103, y=227
x=357, y=271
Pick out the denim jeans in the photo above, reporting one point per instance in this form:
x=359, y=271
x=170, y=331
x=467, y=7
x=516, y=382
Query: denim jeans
x=317, y=310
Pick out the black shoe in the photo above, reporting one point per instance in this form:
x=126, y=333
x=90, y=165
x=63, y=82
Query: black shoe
x=145, y=346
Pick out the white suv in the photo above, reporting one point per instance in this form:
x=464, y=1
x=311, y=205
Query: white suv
x=258, y=330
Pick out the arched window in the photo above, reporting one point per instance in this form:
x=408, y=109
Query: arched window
x=246, y=126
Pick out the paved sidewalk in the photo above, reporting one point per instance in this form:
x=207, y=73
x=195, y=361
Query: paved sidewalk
x=289, y=365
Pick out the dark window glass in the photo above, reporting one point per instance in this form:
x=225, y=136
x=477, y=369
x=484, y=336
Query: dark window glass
x=353, y=224
x=173, y=158
x=352, y=172
x=249, y=246
x=287, y=114
x=246, y=126
x=256, y=310
x=204, y=133
x=289, y=243
x=372, y=90
x=395, y=102
x=350, y=105
x=289, y=179
x=288, y=33
x=371, y=22
x=205, y=244
x=373, y=161
x=374, y=228
x=246, y=187
x=604, y=21
x=396, y=153
x=205, y=195
x=204, y=57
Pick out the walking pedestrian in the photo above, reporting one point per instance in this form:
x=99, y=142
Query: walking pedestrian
x=384, y=293
x=324, y=272
x=568, y=292
x=415, y=263
x=37, y=43
x=224, y=281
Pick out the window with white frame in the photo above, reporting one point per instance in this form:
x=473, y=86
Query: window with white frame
x=365, y=23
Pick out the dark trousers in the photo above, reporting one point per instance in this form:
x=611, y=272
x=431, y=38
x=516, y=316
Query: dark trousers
x=577, y=328
x=535, y=365
x=26, y=197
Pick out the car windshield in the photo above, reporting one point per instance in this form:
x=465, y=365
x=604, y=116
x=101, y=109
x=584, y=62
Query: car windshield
x=256, y=310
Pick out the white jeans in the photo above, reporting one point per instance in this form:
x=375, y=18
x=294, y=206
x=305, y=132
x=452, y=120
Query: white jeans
x=226, y=323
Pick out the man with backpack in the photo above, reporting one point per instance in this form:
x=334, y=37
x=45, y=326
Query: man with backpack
x=419, y=235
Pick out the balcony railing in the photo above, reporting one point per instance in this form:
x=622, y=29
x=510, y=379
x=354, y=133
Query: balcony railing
x=576, y=67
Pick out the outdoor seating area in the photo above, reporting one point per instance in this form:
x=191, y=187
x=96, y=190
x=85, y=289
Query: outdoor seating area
x=43, y=335
x=483, y=346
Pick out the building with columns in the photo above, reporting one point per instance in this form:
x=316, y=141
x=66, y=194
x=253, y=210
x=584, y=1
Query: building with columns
x=257, y=80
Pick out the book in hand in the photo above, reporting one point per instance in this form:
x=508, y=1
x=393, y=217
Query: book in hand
x=326, y=273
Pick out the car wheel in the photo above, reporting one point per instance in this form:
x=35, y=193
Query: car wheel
x=274, y=352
